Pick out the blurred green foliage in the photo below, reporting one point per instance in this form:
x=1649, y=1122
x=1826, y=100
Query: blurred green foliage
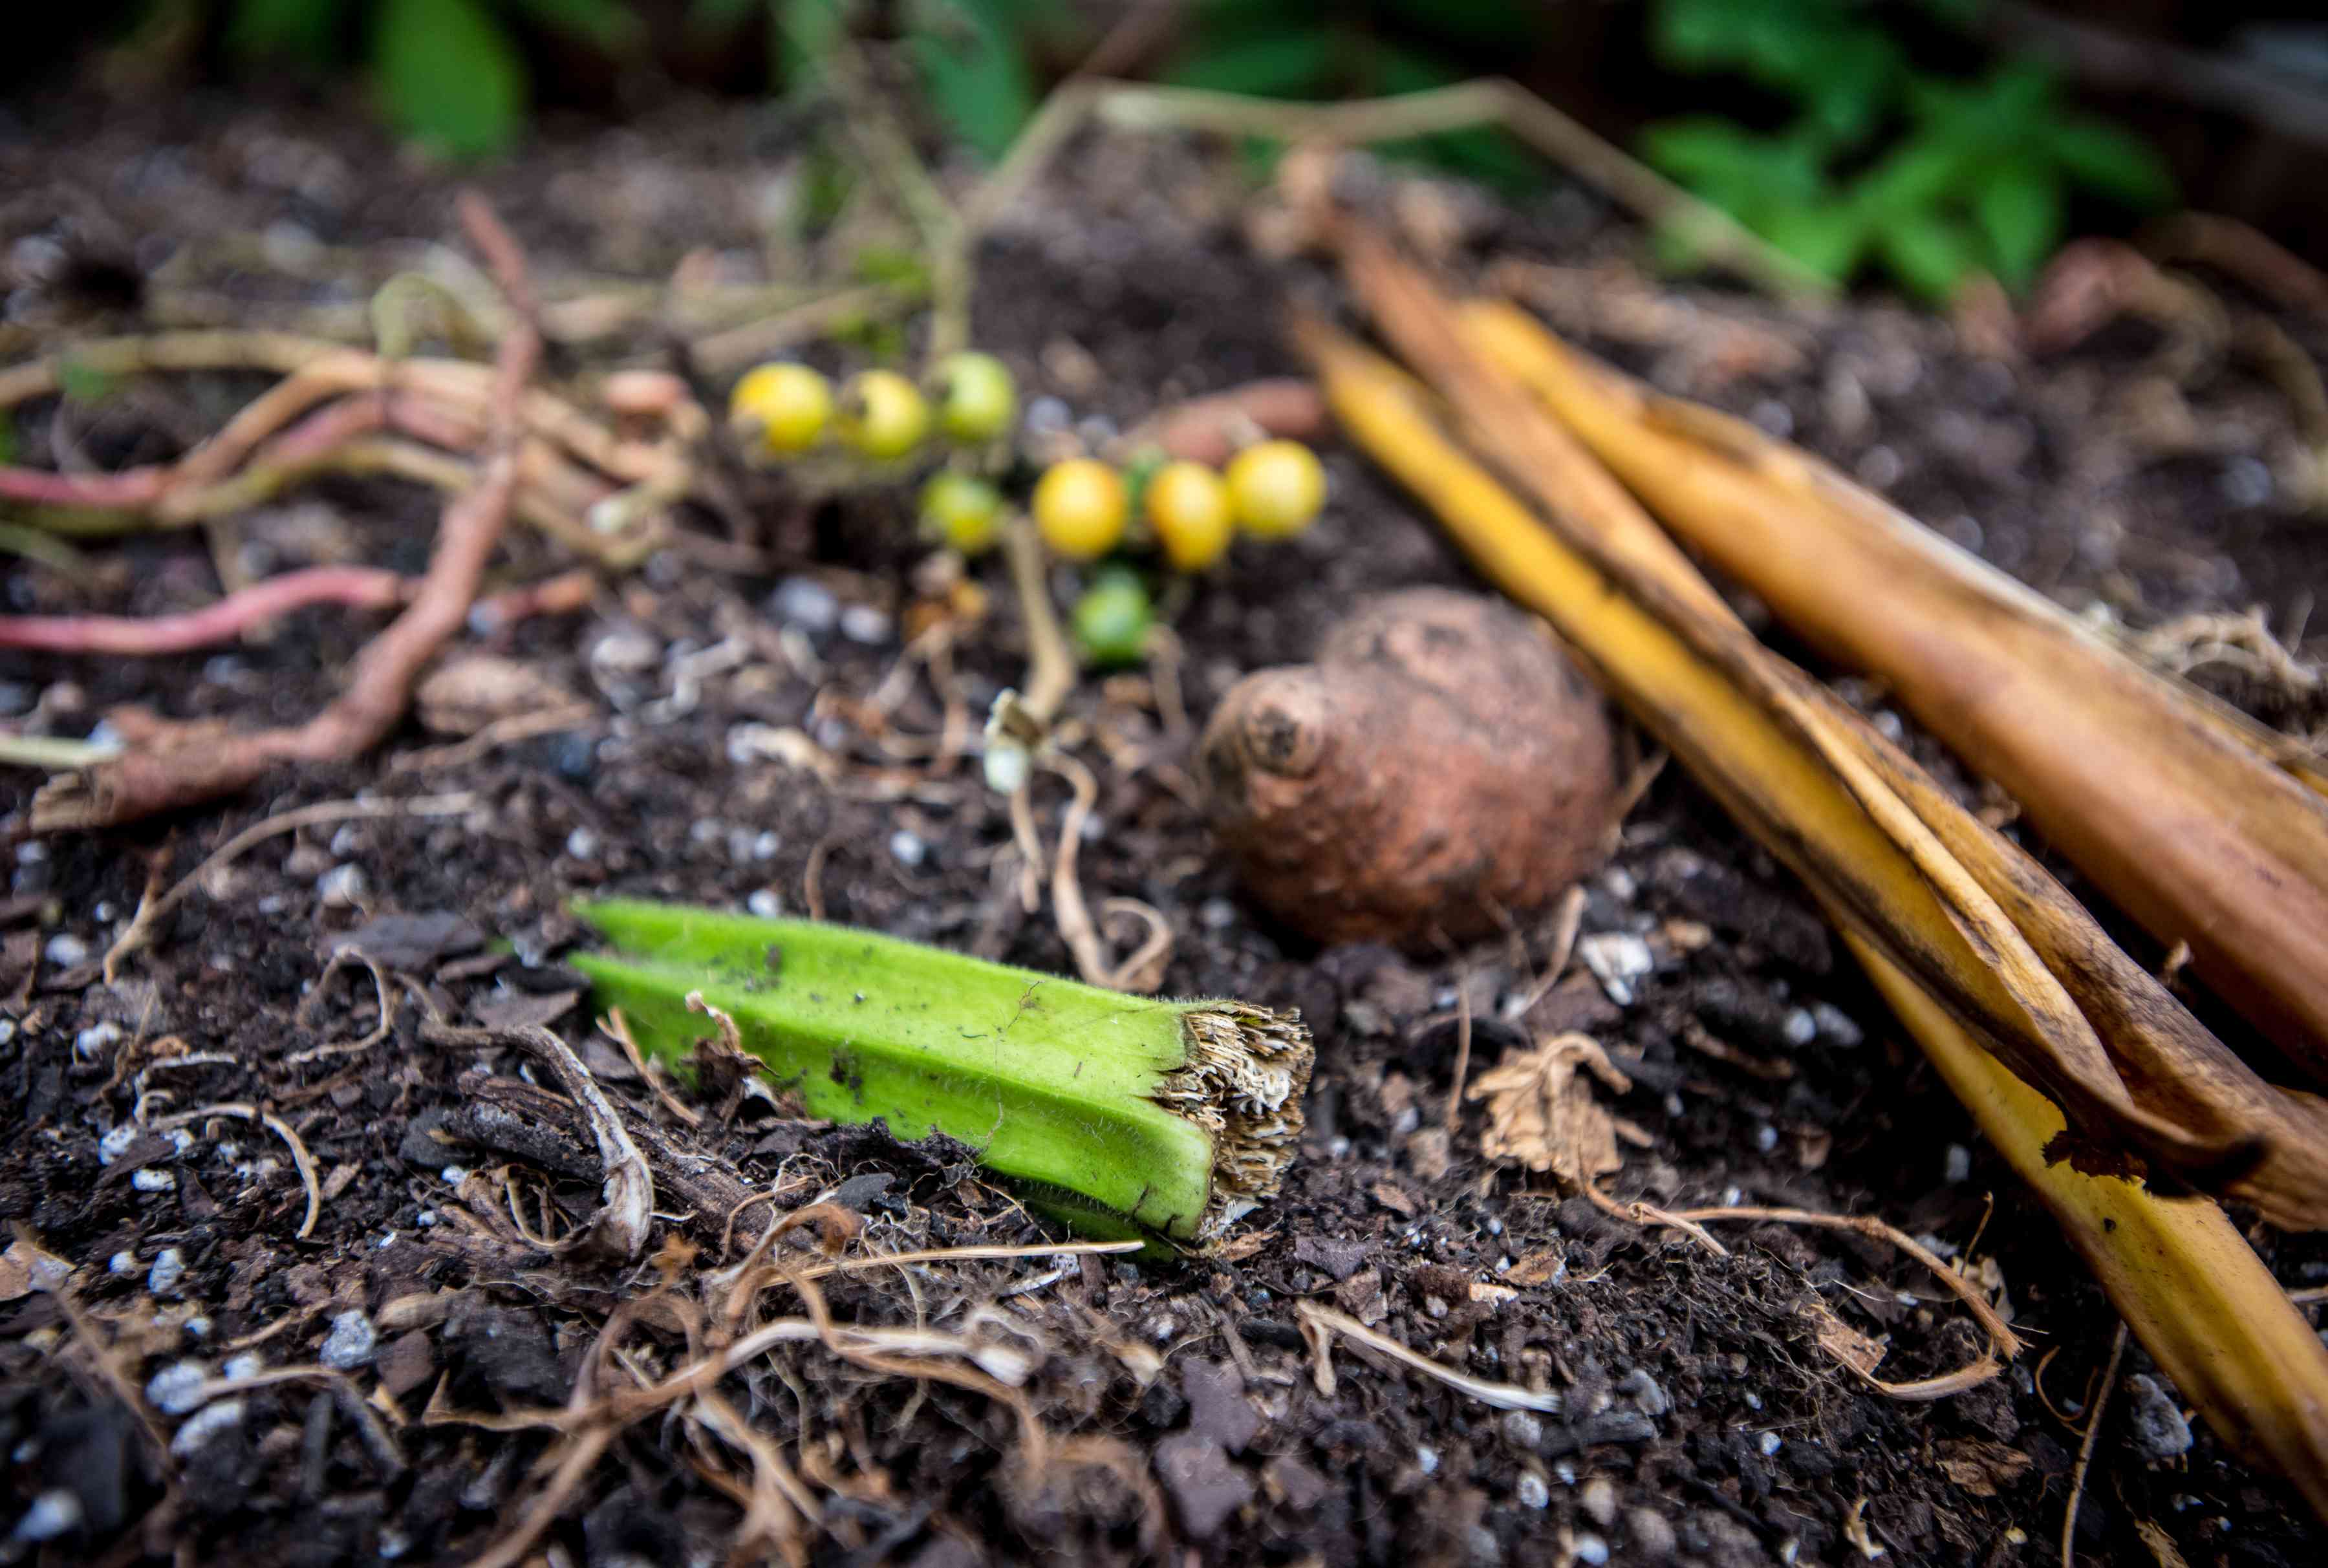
x=1298, y=49
x=1883, y=165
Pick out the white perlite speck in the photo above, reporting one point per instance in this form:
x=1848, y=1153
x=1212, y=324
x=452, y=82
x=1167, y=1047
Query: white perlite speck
x=349, y=1343
x=205, y=1425
x=169, y=1268
x=177, y=1389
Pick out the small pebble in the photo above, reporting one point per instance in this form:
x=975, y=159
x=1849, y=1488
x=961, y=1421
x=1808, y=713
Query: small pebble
x=765, y=846
x=454, y=1175
x=1522, y=1429
x=1836, y=1026
x=807, y=604
x=95, y=1038
x=66, y=951
x=169, y=1269
x=115, y=1144
x=199, y=1328
x=866, y=625
x=582, y=844
x=52, y=1514
x=218, y=1416
x=250, y=1364
x=2246, y=481
x=124, y=1262
x=706, y=830
x=2160, y=1431
x=1047, y=414
x=149, y=1179
x=351, y=1342
x=1426, y=1460
x=766, y=905
x=1532, y=1492
x=342, y=887
x=1591, y=1549
x=1644, y=1392
x=1800, y=1028
x=1598, y=1501
x=1653, y=1537
x=1958, y=1169
x=1617, y=958
x=1770, y=1442
x=177, y=1389
x=908, y=848
x=1766, y=1138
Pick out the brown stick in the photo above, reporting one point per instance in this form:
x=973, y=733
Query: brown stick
x=180, y=765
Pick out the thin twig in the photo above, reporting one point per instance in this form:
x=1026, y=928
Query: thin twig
x=2086, y=1450
x=1462, y=1054
x=281, y=1129
x=1316, y=1321
x=149, y=915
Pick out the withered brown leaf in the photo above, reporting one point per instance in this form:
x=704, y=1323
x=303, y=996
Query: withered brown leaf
x=1540, y=1112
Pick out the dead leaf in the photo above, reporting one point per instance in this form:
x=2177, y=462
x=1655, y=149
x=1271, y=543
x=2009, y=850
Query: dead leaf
x=25, y=1268
x=1981, y=1467
x=1239, y=1248
x=2163, y=1550
x=464, y=694
x=1860, y=1352
x=1542, y=1114
x=1391, y=1195
x=1536, y=1268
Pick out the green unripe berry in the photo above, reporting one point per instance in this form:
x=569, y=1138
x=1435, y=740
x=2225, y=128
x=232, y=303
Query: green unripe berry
x=1188, y=506
x=962, y=510
x=978, y=400
x=1277, y=488
x=781, y=409
x=883, y=416
x=1080, y=507
x=1112, y=618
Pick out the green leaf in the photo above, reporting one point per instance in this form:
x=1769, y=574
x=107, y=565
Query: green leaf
x=85, y=385
x=1698, y=36
x=1828, y=237
x=2111, y=162
x=1917, y=176
x=973, y=72
x=1928, y=253
x=717, y=18
x=298, y=29
x=1854, y=86
x=608, y=26
x=451, y=77
x=2019, y=208
x=1295, y=63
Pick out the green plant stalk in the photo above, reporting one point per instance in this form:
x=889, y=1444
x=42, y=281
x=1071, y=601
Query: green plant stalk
x=1127, y=1115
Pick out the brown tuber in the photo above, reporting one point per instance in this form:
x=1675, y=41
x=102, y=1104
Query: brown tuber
x=1442, y=767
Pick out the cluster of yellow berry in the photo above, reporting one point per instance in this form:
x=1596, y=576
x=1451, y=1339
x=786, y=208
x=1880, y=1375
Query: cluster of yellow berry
x=1082, y=506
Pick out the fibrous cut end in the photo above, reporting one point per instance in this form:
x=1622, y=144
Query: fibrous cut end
x=1247, y=1070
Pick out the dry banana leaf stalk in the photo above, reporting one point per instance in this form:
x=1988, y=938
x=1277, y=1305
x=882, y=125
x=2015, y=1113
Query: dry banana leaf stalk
x=1975, y=987
x=2001, y=944
x=2205, y=826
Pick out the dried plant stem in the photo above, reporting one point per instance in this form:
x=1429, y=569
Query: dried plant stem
x=1488, y=101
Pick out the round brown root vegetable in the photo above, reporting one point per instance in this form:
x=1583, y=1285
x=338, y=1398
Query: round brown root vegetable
x=1442, y=767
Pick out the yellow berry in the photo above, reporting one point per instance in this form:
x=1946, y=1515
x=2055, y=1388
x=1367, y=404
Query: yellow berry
x=883, y=416
x=782, y=408
x=1276, y=487
x=1080, y=507
x=1189, y=504
x=964, y=511
x=977, y=398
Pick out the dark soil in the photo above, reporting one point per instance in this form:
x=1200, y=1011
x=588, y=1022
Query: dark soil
x=1702, y=1422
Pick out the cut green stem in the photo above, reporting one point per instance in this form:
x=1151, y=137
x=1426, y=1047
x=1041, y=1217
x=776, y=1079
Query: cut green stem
x=1128, y=1116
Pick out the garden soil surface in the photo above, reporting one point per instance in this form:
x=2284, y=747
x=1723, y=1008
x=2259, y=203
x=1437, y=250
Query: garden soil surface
x=1172, y=1412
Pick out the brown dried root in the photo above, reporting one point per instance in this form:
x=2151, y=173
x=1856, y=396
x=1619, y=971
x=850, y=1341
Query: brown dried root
x=178, y=765
x=1320, y=1324
x=1143, y=973
x=281, y=1129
